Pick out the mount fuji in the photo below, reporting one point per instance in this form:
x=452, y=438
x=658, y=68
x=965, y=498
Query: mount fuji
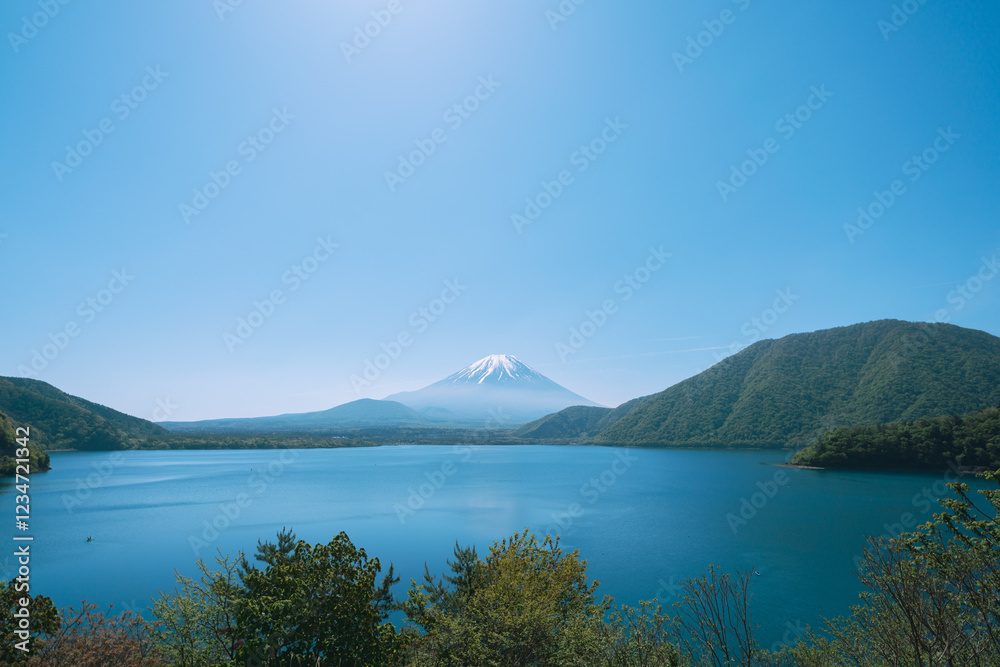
x=496, y=391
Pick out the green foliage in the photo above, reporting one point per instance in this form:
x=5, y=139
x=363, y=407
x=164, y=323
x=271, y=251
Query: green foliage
x=221, y=441
x=926, y=444
x=36, y=391
x=197, y=621
x=44, y=618
x=310, y=605
x=525, y=604
x=577, y=422
x=319, y=604
x=61, y=421
x=640, y=637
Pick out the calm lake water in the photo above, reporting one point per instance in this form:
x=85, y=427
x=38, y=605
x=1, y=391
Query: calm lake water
x=643, y=519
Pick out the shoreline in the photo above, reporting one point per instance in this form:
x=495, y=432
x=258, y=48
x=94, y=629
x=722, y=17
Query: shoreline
x=967, y=471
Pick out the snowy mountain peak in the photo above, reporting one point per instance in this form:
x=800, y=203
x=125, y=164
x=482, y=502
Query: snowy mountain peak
x=496, y=368
x=498, y=390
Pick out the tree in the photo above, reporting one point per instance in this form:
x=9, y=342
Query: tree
x=714, y=625
x=319, y=604
x=88, y=638
x=525, y=604
x=44, y=619
x=640, y=637
x=197, y=624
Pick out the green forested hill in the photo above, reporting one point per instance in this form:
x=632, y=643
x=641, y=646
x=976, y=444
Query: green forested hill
x=8, y=448
x=58, y=420
x=574, y=423
x=786, y=392
x=925, y=444
x=571, y=423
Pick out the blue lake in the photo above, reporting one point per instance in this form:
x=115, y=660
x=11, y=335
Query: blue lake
x=643, y=519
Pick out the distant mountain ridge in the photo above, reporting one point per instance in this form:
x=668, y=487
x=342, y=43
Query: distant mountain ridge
x=363, y=413
x=785, y=392
x=499, y=389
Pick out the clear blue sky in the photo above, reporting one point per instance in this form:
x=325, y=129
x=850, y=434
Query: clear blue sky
x=309, y=128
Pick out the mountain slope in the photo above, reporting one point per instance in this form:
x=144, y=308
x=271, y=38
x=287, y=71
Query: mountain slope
x=577, y=422
x=783, y=393
x=363, y=413
x=38, y=460
x=498, y=391
x=61, y=421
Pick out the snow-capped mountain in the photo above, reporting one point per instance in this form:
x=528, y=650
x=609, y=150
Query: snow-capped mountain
x=496, y=391
x=499, y=369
